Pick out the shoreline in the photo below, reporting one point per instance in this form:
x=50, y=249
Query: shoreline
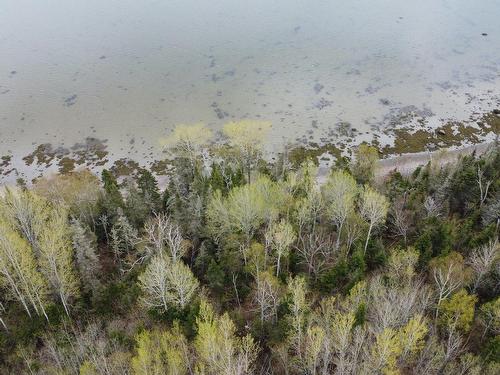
x=412, y=146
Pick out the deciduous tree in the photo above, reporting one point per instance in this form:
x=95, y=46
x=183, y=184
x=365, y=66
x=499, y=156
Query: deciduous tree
x=247, y=138
x=374, y=207
x=339, y=194
x=219, y=350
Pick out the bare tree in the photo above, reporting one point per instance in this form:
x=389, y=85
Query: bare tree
x=449, y=275
x=482, y=261
x=400, y=219
x=161, y=234
x=166, y=284
x=483, y=185
x=267, y=295
x=432, y=207
x=2, y=311
x=316, y=250
x=491, y=212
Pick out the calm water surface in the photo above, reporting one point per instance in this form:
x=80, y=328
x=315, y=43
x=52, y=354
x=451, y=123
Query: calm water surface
x=128, y=71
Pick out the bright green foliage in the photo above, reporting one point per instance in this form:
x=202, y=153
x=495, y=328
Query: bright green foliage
x=19, y=274
x=373, y=209
x=365, y=163
x=246, y=138
x=218, y=243
x=44, y=246
x=339, y=194
x=385, y=352
x=412, y=335
x=56, y=257
x=401, y=265
x=219, y=350
x=245, y=209
x=458, y=311
x=280, y=237
x=161, y=353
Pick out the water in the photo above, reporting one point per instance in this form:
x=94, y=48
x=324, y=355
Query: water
x=128, y=71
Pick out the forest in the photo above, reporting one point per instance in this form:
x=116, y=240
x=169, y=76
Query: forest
x=237, y=264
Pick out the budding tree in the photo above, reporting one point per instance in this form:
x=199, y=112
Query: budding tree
x=374, y=207
x=219, y=350
x=245, y=209
x=188, y=141
x=161, y=352
x=247, y=138
x=56, y=257
x=339, y=194
x=18, y=271
x=280, y=237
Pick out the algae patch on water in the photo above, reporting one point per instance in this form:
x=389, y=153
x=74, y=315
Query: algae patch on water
x=451, y=134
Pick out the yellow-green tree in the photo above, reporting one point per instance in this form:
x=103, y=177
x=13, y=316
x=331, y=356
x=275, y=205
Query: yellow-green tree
x=449, y=274
x=280, y=237
x=18, y=271
x=339, y=193
x=219, y=350
x=56, y=257
x=373, y=209
x=44, y=231
x=365, y=163
x=247, y=138
x=188, y=140
x=246, y=209
x=161, y=353
x=78, y=191
x=458, y=311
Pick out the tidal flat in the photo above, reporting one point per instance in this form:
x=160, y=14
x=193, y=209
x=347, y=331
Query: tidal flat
x=97, y=84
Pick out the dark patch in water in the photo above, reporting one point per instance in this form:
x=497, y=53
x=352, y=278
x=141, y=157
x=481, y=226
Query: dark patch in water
x=318, y=87
x=69, y=101
x=219, y=112
x=323, y=103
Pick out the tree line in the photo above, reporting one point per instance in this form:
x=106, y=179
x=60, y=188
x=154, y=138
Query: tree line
x=242, y=265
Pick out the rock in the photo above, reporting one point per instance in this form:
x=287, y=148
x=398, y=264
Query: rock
x=496, y=111
x=441, y=132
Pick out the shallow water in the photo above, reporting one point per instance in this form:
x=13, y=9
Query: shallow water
x=128, y=71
